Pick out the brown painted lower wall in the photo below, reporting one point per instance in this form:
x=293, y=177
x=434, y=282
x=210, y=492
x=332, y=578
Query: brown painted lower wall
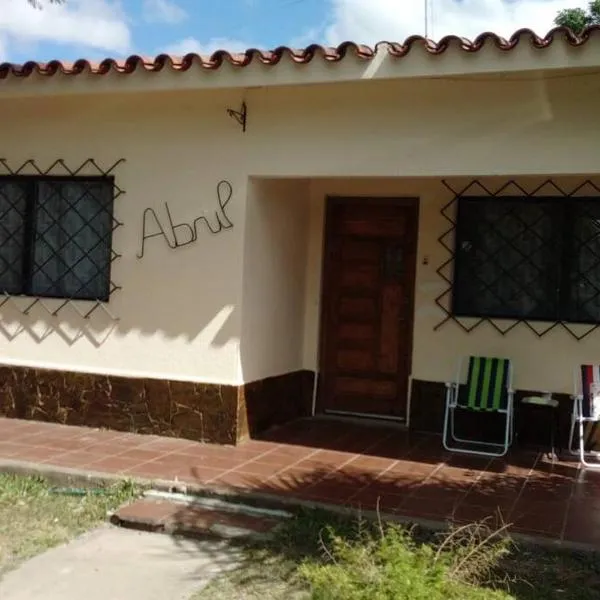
x=215, y=413
x=532, y=423
x=227, y=414
x=273, y=401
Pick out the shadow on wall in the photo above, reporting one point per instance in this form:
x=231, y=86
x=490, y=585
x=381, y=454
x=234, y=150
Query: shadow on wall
x=184, y=291
x=275, y=258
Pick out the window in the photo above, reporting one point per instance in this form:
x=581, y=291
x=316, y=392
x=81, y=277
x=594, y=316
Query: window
x=528, y=258
x=55, y=236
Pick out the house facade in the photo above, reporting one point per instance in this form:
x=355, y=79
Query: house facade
x=209, y=247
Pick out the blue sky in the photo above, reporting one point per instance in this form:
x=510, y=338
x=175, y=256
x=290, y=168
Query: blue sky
x=99, y=28
x=261, y=22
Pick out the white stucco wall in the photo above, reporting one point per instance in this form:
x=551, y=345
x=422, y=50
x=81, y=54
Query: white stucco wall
x=431, y=127
x=275, y=259
x=179, y=310
x=182, y=312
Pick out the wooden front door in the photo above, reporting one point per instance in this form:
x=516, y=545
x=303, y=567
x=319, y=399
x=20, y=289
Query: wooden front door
x=367, y=306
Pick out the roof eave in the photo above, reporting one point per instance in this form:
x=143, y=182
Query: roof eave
x=388, y=61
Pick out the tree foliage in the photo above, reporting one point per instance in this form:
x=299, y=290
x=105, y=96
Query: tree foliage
x=577, y=19
x=40, y=3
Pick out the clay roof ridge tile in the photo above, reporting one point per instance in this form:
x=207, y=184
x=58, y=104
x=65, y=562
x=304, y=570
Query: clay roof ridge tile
x=332, y=54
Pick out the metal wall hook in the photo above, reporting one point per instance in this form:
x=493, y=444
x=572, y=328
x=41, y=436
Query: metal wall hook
x=241, y=116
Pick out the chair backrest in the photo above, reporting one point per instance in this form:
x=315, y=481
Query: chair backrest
x=487, y=384
x=589, y=374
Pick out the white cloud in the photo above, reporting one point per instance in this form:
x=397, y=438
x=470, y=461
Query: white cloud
x=309, y=36
x=370, y=21
x=97, y=24
x=163, y=11
x=192, y=45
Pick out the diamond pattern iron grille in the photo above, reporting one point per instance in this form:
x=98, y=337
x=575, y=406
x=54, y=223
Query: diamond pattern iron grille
x=507, y=259
x=584, y=278
x=71, y=239
x=56, y=228
x=13, y=208
x=522, y=257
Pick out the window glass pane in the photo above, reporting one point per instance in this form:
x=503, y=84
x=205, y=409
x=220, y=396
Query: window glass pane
x=13, y=206
x=583, y=277
x=73, y=228
x=507, y=258
x=48, y=240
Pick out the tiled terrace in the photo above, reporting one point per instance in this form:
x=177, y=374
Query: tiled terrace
x=339, y=463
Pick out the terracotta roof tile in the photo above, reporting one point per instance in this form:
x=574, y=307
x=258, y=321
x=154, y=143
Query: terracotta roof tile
x=299, y=56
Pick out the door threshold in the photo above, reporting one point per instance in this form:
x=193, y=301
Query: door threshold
x=364, y=418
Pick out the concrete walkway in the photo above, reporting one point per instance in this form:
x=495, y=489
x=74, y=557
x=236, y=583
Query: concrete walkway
x=110, y=563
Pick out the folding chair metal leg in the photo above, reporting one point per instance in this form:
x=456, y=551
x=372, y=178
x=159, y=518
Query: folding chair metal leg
x=572, y=449
x=445, y=429
x=502, y=449
x=582, y=452
x=578, y=420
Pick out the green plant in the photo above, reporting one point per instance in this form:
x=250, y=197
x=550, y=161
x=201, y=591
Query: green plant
x=475, y=562
x=577, y=19
x=390, y=565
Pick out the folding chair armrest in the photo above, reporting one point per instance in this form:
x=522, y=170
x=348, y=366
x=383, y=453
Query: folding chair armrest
x=577, y=405
x=452, y=393
x=510, y=395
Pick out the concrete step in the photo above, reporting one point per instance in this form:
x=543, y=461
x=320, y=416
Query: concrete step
x=178, y=514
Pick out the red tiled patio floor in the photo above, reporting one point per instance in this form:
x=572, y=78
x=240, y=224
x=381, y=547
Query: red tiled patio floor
x=335, y=462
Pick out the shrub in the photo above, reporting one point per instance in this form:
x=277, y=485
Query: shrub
x=389, y=565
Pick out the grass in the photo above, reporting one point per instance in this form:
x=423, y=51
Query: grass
x=35, y=517
x=320, y=556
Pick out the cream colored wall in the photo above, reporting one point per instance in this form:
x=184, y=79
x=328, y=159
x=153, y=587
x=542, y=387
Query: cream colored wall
x=179, y=309
x=544, y=363
x=401, y=138
x=435, y=127
x=182, y=311
x=275, y=258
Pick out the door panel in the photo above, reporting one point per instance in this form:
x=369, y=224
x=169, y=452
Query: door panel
x=356, y=334
x=360, y=310
x=359, y=277
x=367, y=305
x=360, y=250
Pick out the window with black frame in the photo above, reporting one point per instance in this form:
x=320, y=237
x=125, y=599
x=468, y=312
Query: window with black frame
x=528, y=258
x=55, y=236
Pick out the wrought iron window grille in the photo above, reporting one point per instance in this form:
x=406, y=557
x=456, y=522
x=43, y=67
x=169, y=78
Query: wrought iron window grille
x=39, y=228
x=581, y=244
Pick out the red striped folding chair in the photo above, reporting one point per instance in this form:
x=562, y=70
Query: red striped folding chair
x=586, y=409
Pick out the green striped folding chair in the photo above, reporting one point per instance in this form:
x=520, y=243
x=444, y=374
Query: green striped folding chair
x=488, y=390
